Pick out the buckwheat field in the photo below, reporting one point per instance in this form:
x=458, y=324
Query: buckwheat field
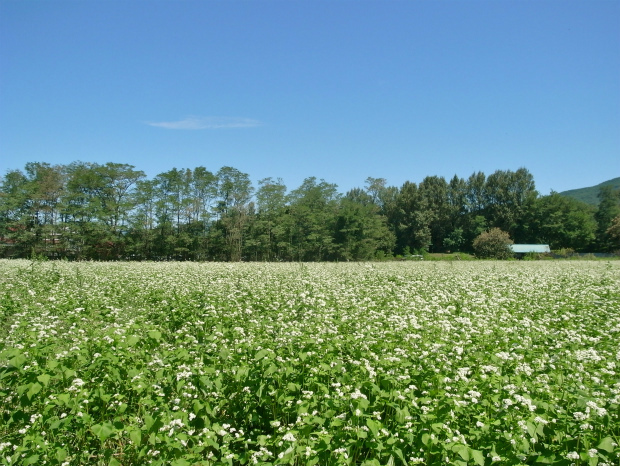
x=456, y=363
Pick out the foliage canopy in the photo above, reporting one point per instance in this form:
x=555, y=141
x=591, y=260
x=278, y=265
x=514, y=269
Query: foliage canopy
x=114, y=212
x=493, y=244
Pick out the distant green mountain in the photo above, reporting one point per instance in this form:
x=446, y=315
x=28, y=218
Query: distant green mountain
x=589, y=195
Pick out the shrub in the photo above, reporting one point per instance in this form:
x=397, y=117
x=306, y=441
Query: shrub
x=564, y=253
x=493, y=244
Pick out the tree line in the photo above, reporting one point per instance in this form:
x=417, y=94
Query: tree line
x=113, y=211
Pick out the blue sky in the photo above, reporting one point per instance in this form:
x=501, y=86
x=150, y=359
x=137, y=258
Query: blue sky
x=341, y=90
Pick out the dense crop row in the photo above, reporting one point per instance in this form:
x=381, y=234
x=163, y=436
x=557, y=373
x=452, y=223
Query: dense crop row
x=408, y=363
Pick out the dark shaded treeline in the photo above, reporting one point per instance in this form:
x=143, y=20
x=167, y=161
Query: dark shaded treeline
x=112, y=211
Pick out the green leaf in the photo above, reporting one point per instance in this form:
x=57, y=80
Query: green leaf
x=270, y=370
x=531, y=429
x=546, y=459
x=373, y=426
x=22, y=389
x=114, y=462
x=437, y=427
x=335, y=422
x=103, y=431
x=399, y=453
x=293, y=387
x=61, y=454
x=34, y=389
x=148, y=421
x=372, y=462
x=606, y=444
x=180, y=462
x=63, y=398
x=477, y=456
x=154, y=335
x=152, y=424
x=261, y=354
x=44, y=379
x=462, y=450
x=402, y=414
x=133, y=339
x=18, y=361
x=32, y=459
x=6, y=372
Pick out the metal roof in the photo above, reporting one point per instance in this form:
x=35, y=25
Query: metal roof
x=525, y=248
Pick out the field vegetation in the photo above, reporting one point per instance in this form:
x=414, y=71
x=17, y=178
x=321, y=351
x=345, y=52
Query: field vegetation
x=396, y=363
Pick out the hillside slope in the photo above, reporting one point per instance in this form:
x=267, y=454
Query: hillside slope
x=589, y=195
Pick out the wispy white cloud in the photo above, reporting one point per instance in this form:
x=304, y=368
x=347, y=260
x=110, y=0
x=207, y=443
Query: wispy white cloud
x=211, y=122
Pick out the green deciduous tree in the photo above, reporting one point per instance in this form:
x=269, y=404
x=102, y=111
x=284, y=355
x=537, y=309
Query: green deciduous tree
x=267, y=229
x=15, y=218
x=233, y=207
x=493, y=244
x=613, y=232
x=608, y=209
x=359, y=229
x=561, y=222
x=509, y=195
x=412, y=219
x=434, y=191
x=311, y=220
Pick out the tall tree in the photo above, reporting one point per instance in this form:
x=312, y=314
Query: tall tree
x=172, y=193
x=268, y=228
x=98, y=204
x=310, y=224
x=86, y=211
x=561, y=222
x=203, y=192
x=143, y=221
x=234, y=194
x=360, y=231
x=376, y=189
x=412, y=219
x=204, y=185
x=608, y=209
x=16, y=237
x=614, y=233
x=457, y=213
x=508, y=196
x=475, y=194
x=46, y=186
x=434, y=191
